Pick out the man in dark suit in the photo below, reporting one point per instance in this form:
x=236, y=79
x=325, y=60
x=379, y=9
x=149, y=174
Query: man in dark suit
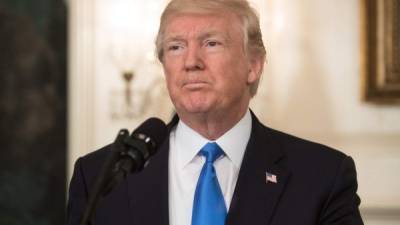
x=220, y=165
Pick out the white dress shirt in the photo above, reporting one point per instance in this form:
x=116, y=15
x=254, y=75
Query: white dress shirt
x=185, y=166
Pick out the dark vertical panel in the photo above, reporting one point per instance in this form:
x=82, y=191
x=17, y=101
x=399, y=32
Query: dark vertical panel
x=394, y=72
x=32, y=111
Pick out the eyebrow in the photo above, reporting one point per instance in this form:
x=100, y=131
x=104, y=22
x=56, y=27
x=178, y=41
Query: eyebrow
x=205, y=35
x=213, y=34
x=173, y=38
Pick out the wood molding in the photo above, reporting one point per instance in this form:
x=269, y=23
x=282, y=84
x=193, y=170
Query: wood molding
x=81, y=75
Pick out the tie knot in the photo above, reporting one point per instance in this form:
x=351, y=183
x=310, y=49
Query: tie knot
x=211, y=151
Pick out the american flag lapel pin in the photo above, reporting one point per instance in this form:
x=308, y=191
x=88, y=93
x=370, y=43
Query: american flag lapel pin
x=269, y=177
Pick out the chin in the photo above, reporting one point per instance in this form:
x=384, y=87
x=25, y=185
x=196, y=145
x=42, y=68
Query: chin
x=196, y=108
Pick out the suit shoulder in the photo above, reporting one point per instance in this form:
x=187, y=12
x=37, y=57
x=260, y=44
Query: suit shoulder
x=91, y=163
x=309, y=162
x=97, y=156
x=300, y=148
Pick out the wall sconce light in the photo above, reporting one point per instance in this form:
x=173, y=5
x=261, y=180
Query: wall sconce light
x=130, y=27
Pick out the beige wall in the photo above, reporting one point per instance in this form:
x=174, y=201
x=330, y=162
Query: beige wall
x=311, y=88
x=311, y=85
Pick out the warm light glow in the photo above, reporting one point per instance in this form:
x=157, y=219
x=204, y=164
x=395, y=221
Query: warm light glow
x=129, y=28
x=278, y=20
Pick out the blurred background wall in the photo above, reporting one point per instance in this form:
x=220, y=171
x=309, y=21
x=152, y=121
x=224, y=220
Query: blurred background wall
x=32, y=111
x=312, y=85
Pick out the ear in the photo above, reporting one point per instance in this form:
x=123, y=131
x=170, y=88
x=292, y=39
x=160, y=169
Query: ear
x=256, y=66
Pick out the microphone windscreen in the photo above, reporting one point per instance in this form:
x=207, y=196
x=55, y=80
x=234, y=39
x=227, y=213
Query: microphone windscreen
x=153, y=128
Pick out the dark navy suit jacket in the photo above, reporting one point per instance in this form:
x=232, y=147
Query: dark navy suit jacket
x=315, y=185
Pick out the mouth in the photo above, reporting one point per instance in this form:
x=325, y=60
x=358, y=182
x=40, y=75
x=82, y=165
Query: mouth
x=193, y=85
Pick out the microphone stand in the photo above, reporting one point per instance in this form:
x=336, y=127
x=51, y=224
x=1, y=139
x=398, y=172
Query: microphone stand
x=129, y=154
x=108, y=177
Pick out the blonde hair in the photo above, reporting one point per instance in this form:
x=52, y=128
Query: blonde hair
x=252, y=36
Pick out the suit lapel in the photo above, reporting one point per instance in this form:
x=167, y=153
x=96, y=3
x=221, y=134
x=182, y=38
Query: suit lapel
x=254, y=200
x=148, y=190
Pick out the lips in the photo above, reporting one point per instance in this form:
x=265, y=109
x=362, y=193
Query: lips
x=194, y=84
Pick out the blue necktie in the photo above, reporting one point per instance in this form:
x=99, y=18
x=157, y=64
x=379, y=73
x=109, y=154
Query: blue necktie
x=209, y=205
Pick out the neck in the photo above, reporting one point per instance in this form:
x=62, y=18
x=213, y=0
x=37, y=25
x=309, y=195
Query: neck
x=213, y=125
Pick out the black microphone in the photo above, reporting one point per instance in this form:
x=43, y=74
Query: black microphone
x=138, y=148
x=130, y=154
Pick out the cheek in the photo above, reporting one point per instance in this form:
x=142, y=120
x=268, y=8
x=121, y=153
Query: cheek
x=171, y=85
x=232, y=75
x=169, y=81
x=172, y=64
x=171, y=73
x=174, y=88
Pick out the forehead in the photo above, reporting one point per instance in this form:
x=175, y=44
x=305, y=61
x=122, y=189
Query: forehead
x=184, y=24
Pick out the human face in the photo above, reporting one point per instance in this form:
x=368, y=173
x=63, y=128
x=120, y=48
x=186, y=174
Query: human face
x=205, y=63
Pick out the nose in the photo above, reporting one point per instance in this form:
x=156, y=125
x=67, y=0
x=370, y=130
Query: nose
x=193, y=59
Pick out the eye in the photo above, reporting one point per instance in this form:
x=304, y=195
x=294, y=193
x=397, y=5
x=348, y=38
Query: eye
x=212, y=43
x=174, y=47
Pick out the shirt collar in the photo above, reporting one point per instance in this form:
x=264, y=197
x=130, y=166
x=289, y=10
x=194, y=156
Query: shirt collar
x=233, y=142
